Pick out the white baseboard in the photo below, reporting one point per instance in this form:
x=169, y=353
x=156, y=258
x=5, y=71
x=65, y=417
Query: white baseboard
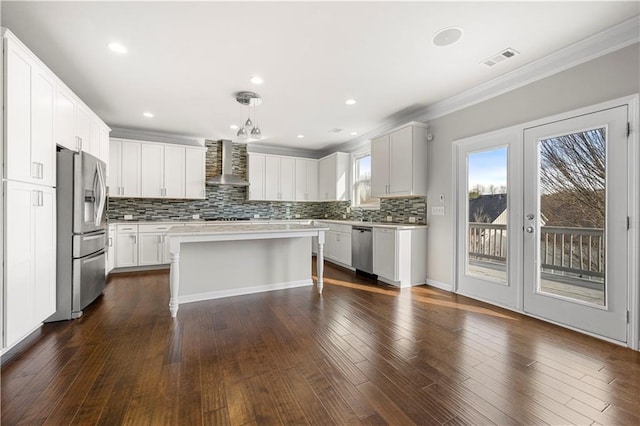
x=219, y=294
x=440, y=285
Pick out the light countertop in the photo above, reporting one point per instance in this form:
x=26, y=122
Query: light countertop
x=267, y=222
x=229, y=228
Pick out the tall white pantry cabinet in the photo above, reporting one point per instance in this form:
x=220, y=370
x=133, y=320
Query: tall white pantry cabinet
x=39, y=112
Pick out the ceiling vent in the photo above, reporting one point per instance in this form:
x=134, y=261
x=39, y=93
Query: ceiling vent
x=336, y=130
x=502, y=56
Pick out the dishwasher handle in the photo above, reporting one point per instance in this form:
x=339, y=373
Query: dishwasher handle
x=361, y=228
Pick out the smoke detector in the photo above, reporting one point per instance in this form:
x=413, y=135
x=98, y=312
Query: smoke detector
x=508, y=53
x=336, y=130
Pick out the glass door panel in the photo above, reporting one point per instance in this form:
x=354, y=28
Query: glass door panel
x=486, y=254
x=575, y=209
x=489, y=166
x=572, y=200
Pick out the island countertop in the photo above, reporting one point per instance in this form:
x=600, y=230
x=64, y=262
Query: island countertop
x=220, y=229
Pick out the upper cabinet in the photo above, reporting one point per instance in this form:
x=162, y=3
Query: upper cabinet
x=279, y=178
x=155, y=170
x=399, y=162
x=256, y=171
x=333, y=177
x=195, y=160
x=29, y=117
x=306, y=180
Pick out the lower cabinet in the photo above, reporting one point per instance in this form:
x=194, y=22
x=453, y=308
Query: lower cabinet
x=400, y=255
x=111, y=249
x=142, y=244
x=126, y=246
x=30, y=265
x=337, y=243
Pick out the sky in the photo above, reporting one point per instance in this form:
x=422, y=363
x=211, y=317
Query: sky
x=488, y=168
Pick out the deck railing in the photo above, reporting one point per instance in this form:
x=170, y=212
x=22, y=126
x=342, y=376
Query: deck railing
x=563, y=250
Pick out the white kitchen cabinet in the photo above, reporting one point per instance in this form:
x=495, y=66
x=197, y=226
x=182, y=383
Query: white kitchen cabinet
x=83, y=128
x=65, y=134
x=399, y=255
x=306, y=179
x=399, y=162
x=29, y=117
x=126, y=246
x=153, y=247
x=30, y=263
x=256, y=174
x=104, y=144
x=279, y=178
x=333, y=177
x=162, y=171
x=124, y=168
x=174, y=172
x=94, y=139
x=151, y=170
x=337, y=247
x=111, y=249
x=195, y=160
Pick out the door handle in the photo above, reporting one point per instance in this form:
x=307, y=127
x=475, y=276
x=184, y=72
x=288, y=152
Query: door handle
x=529, y=229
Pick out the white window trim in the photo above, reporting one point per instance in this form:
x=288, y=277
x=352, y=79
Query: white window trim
x=355, y=155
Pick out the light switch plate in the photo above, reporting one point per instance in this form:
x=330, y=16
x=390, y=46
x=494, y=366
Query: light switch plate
x=348, y=209
x=412, y=219
x=442, y=198
x=389, y=218
x=195, y=217
x=128, y=217
x=437, y=210
x=256, y=216
x=297, y=216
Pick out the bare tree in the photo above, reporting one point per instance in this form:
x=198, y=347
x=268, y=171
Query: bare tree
x=572, y=172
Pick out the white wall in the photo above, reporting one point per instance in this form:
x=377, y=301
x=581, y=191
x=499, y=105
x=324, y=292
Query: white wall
x=608, y=77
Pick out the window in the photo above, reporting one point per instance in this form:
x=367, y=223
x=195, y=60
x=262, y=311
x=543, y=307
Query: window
x=362, y=180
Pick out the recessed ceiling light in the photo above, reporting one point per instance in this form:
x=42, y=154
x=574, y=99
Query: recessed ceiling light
x=117, y=47
x=148, y=114
x=350, y=101
x=300, y=136
x=354, y=133
x=256, y=80
x=447, y=36
x=234, y=126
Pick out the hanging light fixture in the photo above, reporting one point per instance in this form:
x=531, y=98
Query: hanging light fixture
x=249, y=130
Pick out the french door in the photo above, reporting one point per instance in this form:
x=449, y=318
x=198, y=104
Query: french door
x=542, y=220
x=489, y=218
x=575, y=221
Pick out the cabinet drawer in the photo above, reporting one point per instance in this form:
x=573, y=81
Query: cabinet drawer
x=156, y=227
x=127, y=229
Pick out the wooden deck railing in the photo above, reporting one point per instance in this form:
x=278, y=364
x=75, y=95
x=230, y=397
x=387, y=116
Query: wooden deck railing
x=565, y=250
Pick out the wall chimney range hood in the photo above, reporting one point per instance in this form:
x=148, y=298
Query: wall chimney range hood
x=227, y=177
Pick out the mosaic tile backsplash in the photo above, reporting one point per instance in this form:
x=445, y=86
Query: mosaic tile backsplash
x=231, y=202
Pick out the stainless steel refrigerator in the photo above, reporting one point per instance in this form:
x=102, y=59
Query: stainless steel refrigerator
x=81, y=232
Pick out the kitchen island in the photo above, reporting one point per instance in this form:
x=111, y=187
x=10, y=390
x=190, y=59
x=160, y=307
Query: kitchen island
x=231, y=259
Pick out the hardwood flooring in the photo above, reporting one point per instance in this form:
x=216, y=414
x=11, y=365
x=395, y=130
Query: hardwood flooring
x=362, y=353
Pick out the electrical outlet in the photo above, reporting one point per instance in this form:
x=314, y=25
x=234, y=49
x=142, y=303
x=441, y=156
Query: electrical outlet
x=348, y=209
x=195, y=217
x=437, y=210
x=326, y=215
x=128, y=217
x=256, y=216
x=412, y=219
x=297, y=216
x=389, y=218
x=344, y=216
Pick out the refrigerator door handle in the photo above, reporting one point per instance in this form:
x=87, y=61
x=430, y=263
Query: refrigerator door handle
x=102, y=195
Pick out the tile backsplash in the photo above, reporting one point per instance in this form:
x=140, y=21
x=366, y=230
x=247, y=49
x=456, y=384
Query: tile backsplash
x=230, y=202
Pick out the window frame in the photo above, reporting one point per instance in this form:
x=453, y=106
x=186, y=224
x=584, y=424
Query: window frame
x=355, y=157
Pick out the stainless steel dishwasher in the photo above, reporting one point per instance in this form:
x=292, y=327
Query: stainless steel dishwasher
x=362, y=248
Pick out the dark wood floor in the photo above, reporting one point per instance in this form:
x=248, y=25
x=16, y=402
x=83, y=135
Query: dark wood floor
x=361, y=353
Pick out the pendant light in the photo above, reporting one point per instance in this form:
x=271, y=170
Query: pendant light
x=249, y=130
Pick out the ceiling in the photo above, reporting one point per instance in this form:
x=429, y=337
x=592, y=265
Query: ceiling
x=186, y=61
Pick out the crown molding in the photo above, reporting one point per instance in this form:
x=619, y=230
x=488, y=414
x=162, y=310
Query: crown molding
x=151, y=136
x=607, y=41
x=281, y=150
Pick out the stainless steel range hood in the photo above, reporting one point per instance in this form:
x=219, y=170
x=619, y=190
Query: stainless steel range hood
x=227, y=177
